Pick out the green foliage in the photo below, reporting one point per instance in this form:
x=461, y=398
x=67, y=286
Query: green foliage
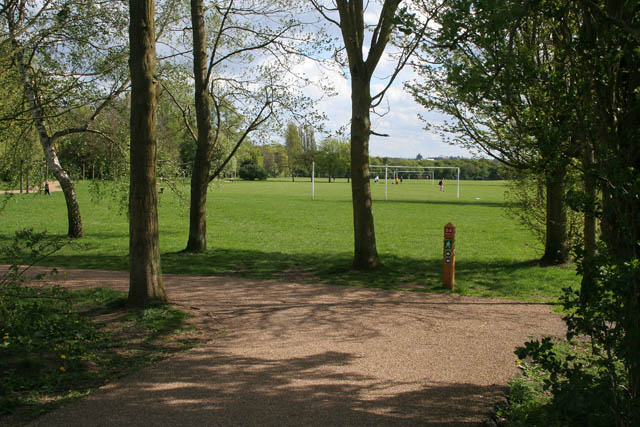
x=527, y=203
x=592, y=387
x=53, y=346
x=41, y=337
x=293, y=146
x=274, y=159
x=333, y=158
x=249, y=171
x=527, y=402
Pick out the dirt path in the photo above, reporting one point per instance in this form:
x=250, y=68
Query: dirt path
x=53, y=186
x=285, y=354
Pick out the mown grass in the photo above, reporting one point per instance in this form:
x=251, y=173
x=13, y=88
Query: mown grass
x=273, y=230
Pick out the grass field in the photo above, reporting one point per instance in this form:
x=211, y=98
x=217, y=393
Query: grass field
x=273, y=230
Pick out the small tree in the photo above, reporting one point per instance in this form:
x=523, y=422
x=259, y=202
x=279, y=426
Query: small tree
x=333, y=157
x=349, y=17
x=69, y=55
x=293, y=145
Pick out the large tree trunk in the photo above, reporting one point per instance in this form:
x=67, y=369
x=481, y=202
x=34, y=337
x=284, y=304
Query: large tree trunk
x=202, y=163
x=556, y=249
x=365, y=254
x=38, y=114
x=144, y=253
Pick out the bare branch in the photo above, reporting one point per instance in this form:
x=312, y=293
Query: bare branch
x=256, y=123
x=323, y=11
x=185, y=112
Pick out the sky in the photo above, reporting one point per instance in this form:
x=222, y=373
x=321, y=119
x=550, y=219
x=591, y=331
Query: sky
x=407, y=136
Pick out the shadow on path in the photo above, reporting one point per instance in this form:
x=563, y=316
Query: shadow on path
x=214, y=388
x=288, y=354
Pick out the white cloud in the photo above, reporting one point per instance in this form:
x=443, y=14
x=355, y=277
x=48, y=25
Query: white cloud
x=399, y=119
x=407, y=136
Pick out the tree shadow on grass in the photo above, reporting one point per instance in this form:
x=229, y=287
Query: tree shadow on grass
x=446, y=202
x=497, y=278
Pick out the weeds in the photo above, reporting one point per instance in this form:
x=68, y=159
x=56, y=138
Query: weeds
x=57, y=344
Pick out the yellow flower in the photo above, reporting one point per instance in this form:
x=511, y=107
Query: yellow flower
x=62, y=368
x=62, y=356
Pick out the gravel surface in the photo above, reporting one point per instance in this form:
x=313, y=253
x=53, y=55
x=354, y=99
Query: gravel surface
x=287, y=354
x=53, y=186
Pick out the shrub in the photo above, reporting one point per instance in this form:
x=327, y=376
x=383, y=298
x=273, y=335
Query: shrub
x=592, y=384
x=251, y=172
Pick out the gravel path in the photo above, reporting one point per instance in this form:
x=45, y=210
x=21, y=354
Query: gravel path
x=53, y=186
x=286, y=354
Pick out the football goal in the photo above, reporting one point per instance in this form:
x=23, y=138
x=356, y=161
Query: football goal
x=418, y=172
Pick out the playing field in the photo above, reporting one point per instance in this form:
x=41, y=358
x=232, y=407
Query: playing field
x=274, y=230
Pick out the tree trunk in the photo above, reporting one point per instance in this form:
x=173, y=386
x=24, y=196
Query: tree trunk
x=73, y=209
x=145, y=273
x=590, y=223
x=556, y=249
x=202, y=163
x=365, y=254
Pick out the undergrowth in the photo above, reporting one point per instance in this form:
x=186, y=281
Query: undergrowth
x=57, y=344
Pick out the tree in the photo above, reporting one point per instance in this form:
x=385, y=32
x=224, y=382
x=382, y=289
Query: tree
x=250, y=171
x=594, y=53
x=333, y=158
x=308, y=142
x=510, y=93
x=237, y=34
x=274, y=159
x=144, y=252
x=611, y=54
x=293, y=146
x=351, y=21
x=67, y=55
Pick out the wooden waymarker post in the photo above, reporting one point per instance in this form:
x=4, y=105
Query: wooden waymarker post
x=449, y=257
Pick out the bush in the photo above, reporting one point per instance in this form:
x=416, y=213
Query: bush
x=41, y=339
x=251, y=172
x=592, y=383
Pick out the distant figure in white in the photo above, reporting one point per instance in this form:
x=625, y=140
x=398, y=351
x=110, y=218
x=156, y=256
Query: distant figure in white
x=441, y=184
x=376, y=179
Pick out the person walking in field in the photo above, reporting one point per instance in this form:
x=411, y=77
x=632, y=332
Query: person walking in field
x=441, y=184
x=46, y=189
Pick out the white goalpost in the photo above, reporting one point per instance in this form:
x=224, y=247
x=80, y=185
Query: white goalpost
x=412, y=169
